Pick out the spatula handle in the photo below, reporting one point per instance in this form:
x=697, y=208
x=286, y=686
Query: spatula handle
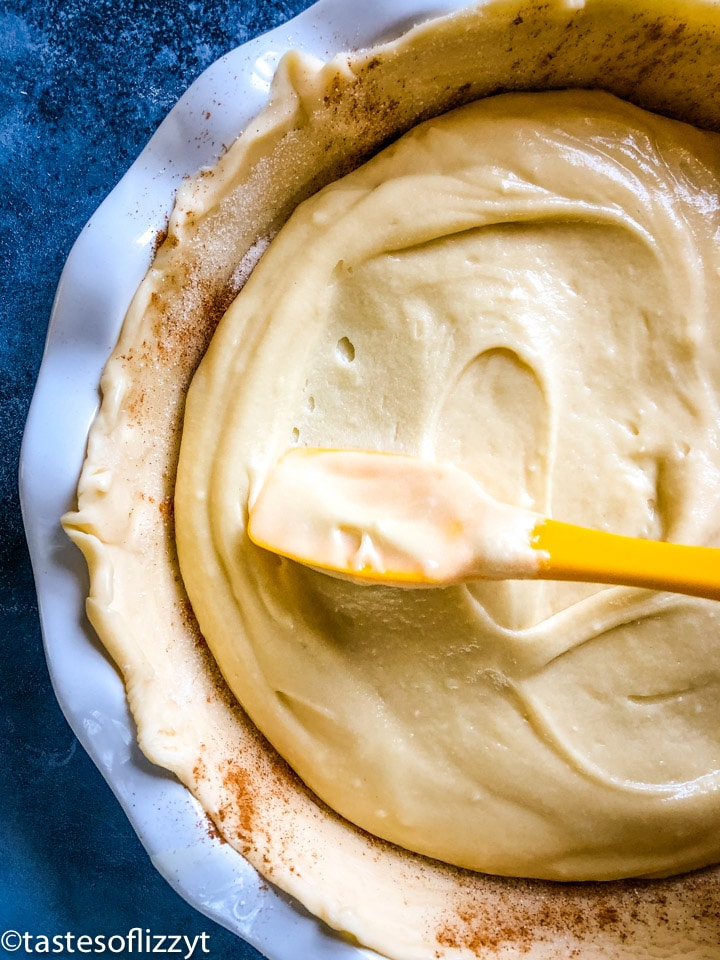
x=594, y=556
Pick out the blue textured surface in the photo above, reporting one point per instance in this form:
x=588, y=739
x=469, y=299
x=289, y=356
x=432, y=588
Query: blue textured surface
x=83, y=85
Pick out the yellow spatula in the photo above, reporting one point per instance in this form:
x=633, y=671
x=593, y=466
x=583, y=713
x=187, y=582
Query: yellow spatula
x=406, y=521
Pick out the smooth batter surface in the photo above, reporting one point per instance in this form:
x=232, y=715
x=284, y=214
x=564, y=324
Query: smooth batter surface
x=525, y=287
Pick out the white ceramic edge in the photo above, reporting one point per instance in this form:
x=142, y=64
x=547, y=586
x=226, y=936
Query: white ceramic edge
x=102, y=272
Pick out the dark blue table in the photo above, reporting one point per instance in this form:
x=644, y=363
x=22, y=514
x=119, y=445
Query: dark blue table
x=83, y=84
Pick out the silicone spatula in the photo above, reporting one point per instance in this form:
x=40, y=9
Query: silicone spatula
x=388, y=518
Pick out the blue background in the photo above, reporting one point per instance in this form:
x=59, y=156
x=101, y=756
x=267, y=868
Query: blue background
x=83, y=84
